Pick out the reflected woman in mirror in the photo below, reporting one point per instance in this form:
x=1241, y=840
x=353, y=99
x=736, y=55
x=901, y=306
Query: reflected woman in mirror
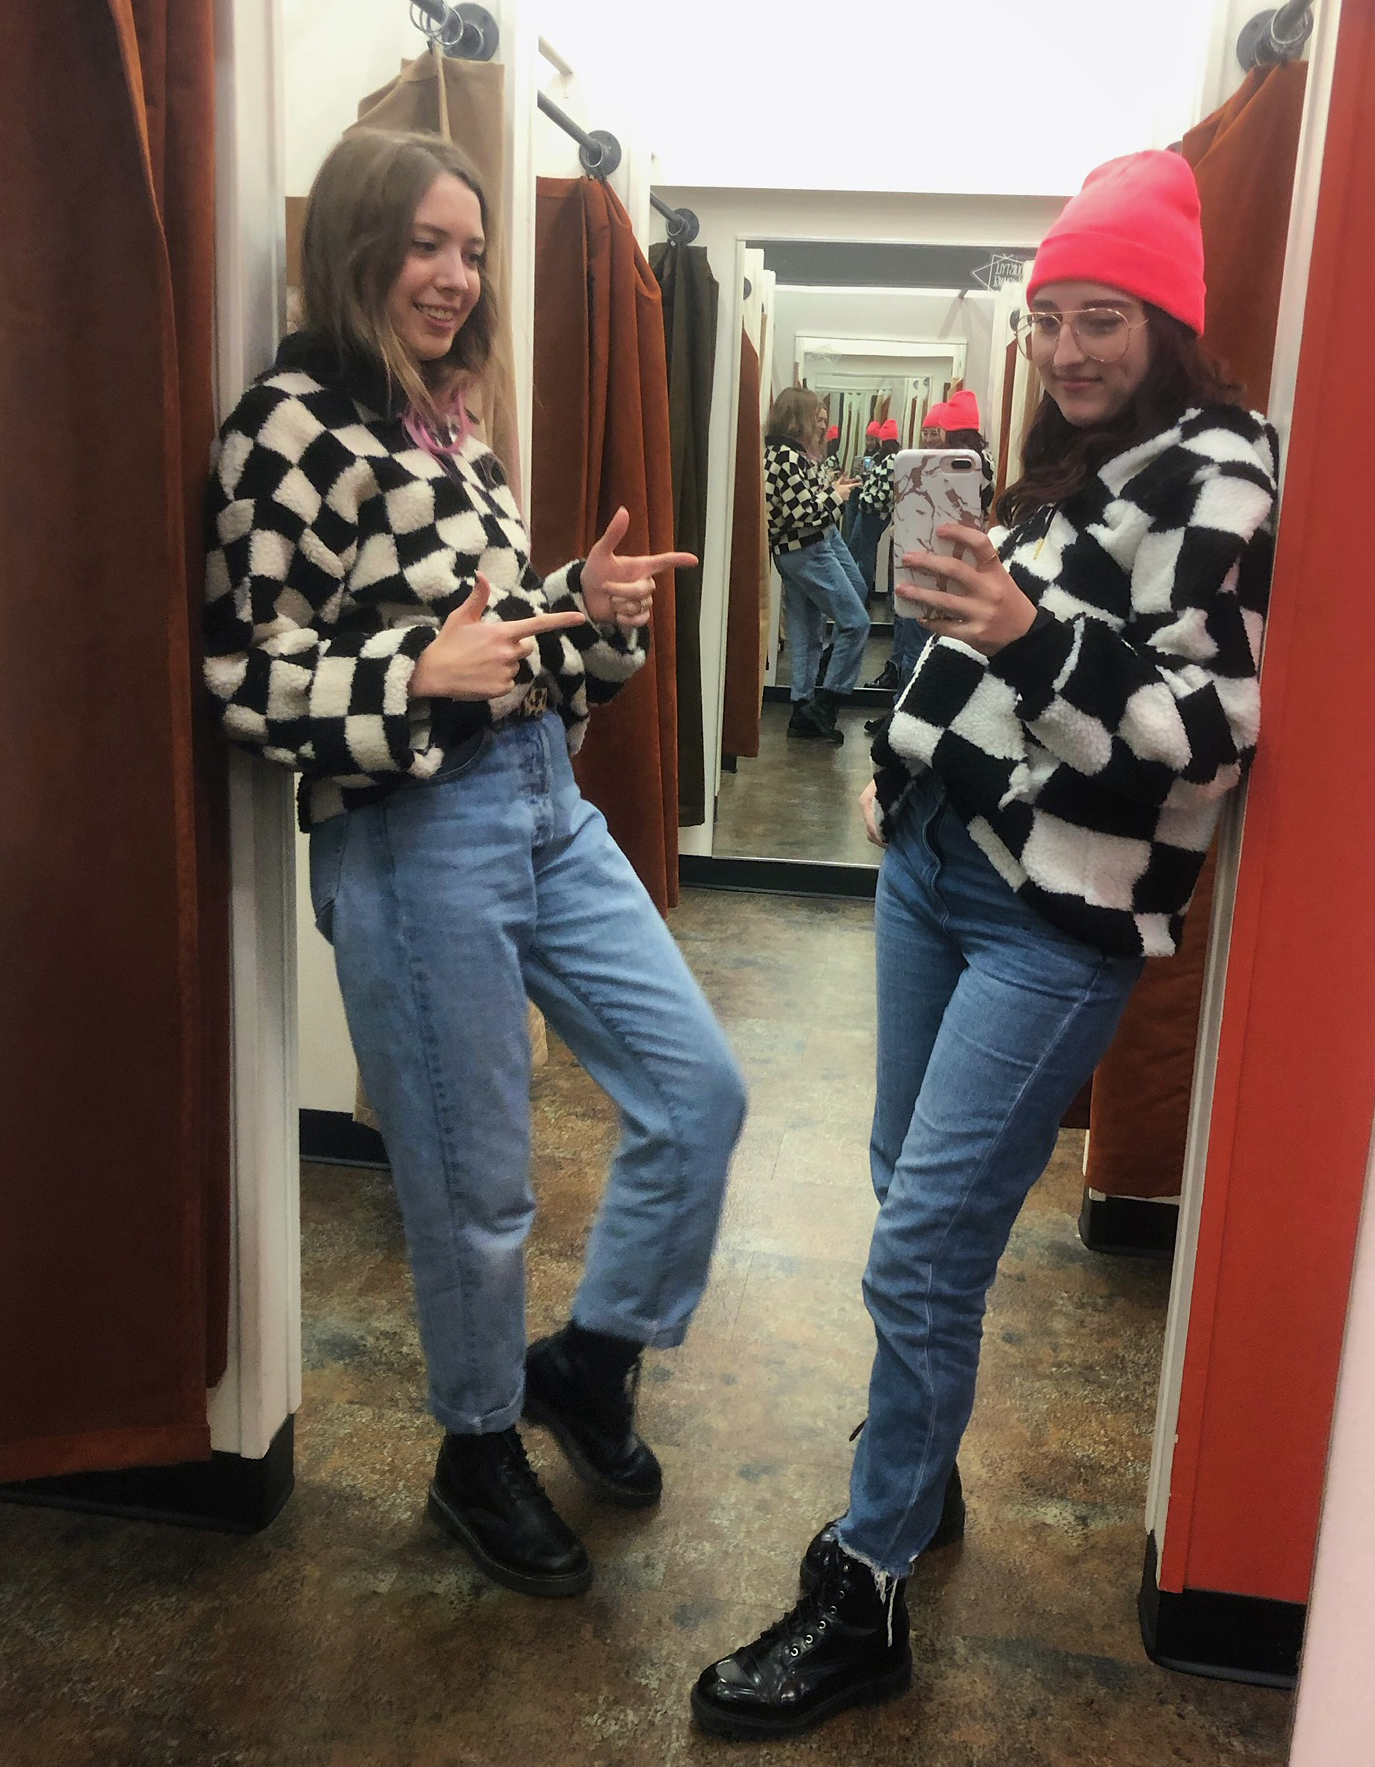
x=820, y=578
x=1046, y=792
x=955, y=424
x=875, y=509
x=373, y=620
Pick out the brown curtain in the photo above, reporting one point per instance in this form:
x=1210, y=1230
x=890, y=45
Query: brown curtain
x=747, y=610
x=1243, y=157
x=113, y=906
x=690, y=297
x=600, y=439
x=465, y=102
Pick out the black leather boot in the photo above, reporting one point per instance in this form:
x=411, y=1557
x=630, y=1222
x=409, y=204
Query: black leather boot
x=825, y=705
x=807, y=724
x=845, y=1644
x=886, y=679
x=486, y=1494
x=949, y=1530
x=583, y=1392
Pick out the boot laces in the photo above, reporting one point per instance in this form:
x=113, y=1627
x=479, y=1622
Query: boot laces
x=515, y=1471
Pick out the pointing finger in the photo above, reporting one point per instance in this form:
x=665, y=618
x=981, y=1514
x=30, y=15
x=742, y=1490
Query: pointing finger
x=552, y=622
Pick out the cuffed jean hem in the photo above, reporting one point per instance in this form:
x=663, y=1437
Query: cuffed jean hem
x=635, y=1331
x=463, y=1423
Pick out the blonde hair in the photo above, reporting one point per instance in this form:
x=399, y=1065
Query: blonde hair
x=793, y=414
x=354, y=242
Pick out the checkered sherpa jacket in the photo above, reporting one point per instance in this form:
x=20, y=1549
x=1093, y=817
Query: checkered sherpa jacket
x=336, y=548
x=1089, y=760
x=802, y=503
x=876, y=495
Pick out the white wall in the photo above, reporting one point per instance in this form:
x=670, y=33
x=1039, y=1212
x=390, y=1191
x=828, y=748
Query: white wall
x=1336, y=1710
x=756, y=94
x=336, y=52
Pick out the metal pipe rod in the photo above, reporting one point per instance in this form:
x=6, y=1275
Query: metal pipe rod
x=569, y=127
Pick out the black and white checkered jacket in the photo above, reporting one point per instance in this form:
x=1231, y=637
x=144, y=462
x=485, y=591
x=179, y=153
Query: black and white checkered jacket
x=1089, y=760
x=876, y=494
x=802, y=502
x=336, y=549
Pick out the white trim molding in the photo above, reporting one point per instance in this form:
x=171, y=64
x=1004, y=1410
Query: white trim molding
x=262, y=1385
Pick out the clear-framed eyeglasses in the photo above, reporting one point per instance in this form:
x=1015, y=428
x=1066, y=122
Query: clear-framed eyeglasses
x=1102, y=333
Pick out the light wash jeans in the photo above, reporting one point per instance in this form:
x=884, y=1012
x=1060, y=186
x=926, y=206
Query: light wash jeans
x=989, y=1022
x=822, y=582
x=448, y=903
x=909, y=641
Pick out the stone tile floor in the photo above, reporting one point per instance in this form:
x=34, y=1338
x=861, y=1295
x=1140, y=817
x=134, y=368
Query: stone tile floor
x=351, y=1634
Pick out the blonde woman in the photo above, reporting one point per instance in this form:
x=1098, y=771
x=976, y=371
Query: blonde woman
x=373, y=620
x=821, y=580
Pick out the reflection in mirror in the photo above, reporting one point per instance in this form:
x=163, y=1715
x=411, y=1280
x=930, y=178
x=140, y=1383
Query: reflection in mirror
x=876, y=360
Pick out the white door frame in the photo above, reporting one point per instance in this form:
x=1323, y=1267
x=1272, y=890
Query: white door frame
x=262, y=1385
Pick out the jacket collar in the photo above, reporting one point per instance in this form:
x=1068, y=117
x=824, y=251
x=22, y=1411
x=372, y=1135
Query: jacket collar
x=364, y=379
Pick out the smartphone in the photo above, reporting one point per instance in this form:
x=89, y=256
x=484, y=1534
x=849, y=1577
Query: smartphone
x=931, y=486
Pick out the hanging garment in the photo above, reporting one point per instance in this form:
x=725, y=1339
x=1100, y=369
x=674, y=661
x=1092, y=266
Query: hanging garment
x=465, y=102
x=689, y=293
x=1243, y=157
x=114, y=1084
x=601, y=439
x=747, y=609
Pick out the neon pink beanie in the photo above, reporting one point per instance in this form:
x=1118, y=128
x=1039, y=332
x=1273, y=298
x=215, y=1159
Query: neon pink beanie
x=960, y=411
x=872, y=431
x=888, y=432
x=1134, y=226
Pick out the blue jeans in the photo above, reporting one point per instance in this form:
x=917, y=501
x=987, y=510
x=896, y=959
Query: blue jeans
x=865, y=534
x=820, y=582
x=989, y=1022
x=909, y=641
x=448, y=903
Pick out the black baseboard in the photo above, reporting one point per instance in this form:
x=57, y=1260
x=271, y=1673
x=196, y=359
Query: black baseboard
x=226, y=1494
x=877, y=697
x=1129, y=1226
x=1225, y=1637
x=786, y=877
x=333, y=1138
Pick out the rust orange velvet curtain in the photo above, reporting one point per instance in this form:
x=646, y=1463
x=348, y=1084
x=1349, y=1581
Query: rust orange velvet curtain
x=113, y=886
x=601, y=439
x=1243, y=157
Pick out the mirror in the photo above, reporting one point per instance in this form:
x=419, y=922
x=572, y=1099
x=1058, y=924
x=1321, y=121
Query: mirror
x=880, y=333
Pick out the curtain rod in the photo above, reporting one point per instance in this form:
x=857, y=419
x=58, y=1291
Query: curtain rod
x=599, y=154
x=1276, y=36
x=466, y=31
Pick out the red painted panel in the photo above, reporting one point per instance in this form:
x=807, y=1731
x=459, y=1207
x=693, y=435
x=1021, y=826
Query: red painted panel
x=1295, y=1086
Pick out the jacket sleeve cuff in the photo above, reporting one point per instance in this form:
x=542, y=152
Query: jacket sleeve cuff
x=1032, y=663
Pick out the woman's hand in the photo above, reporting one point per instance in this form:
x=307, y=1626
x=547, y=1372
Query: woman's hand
x=473, y=658
x=987, y=611
x=622, y=589
x=869, y=810
x=844, y=486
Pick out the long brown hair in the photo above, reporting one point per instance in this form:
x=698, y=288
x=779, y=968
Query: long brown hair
x=793, y=416
x=355, y=238
x=1060, y=457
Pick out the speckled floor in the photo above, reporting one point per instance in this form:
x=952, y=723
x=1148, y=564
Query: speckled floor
x=798, y=800
x=351, y=1634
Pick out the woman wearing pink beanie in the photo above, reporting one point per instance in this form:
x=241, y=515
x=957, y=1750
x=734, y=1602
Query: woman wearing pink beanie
x=1046, y=791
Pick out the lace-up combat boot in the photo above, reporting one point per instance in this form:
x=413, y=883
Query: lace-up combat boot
x=488, y=1496
x=949, y=1530
x=581, y=1386
x=844, y=1644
